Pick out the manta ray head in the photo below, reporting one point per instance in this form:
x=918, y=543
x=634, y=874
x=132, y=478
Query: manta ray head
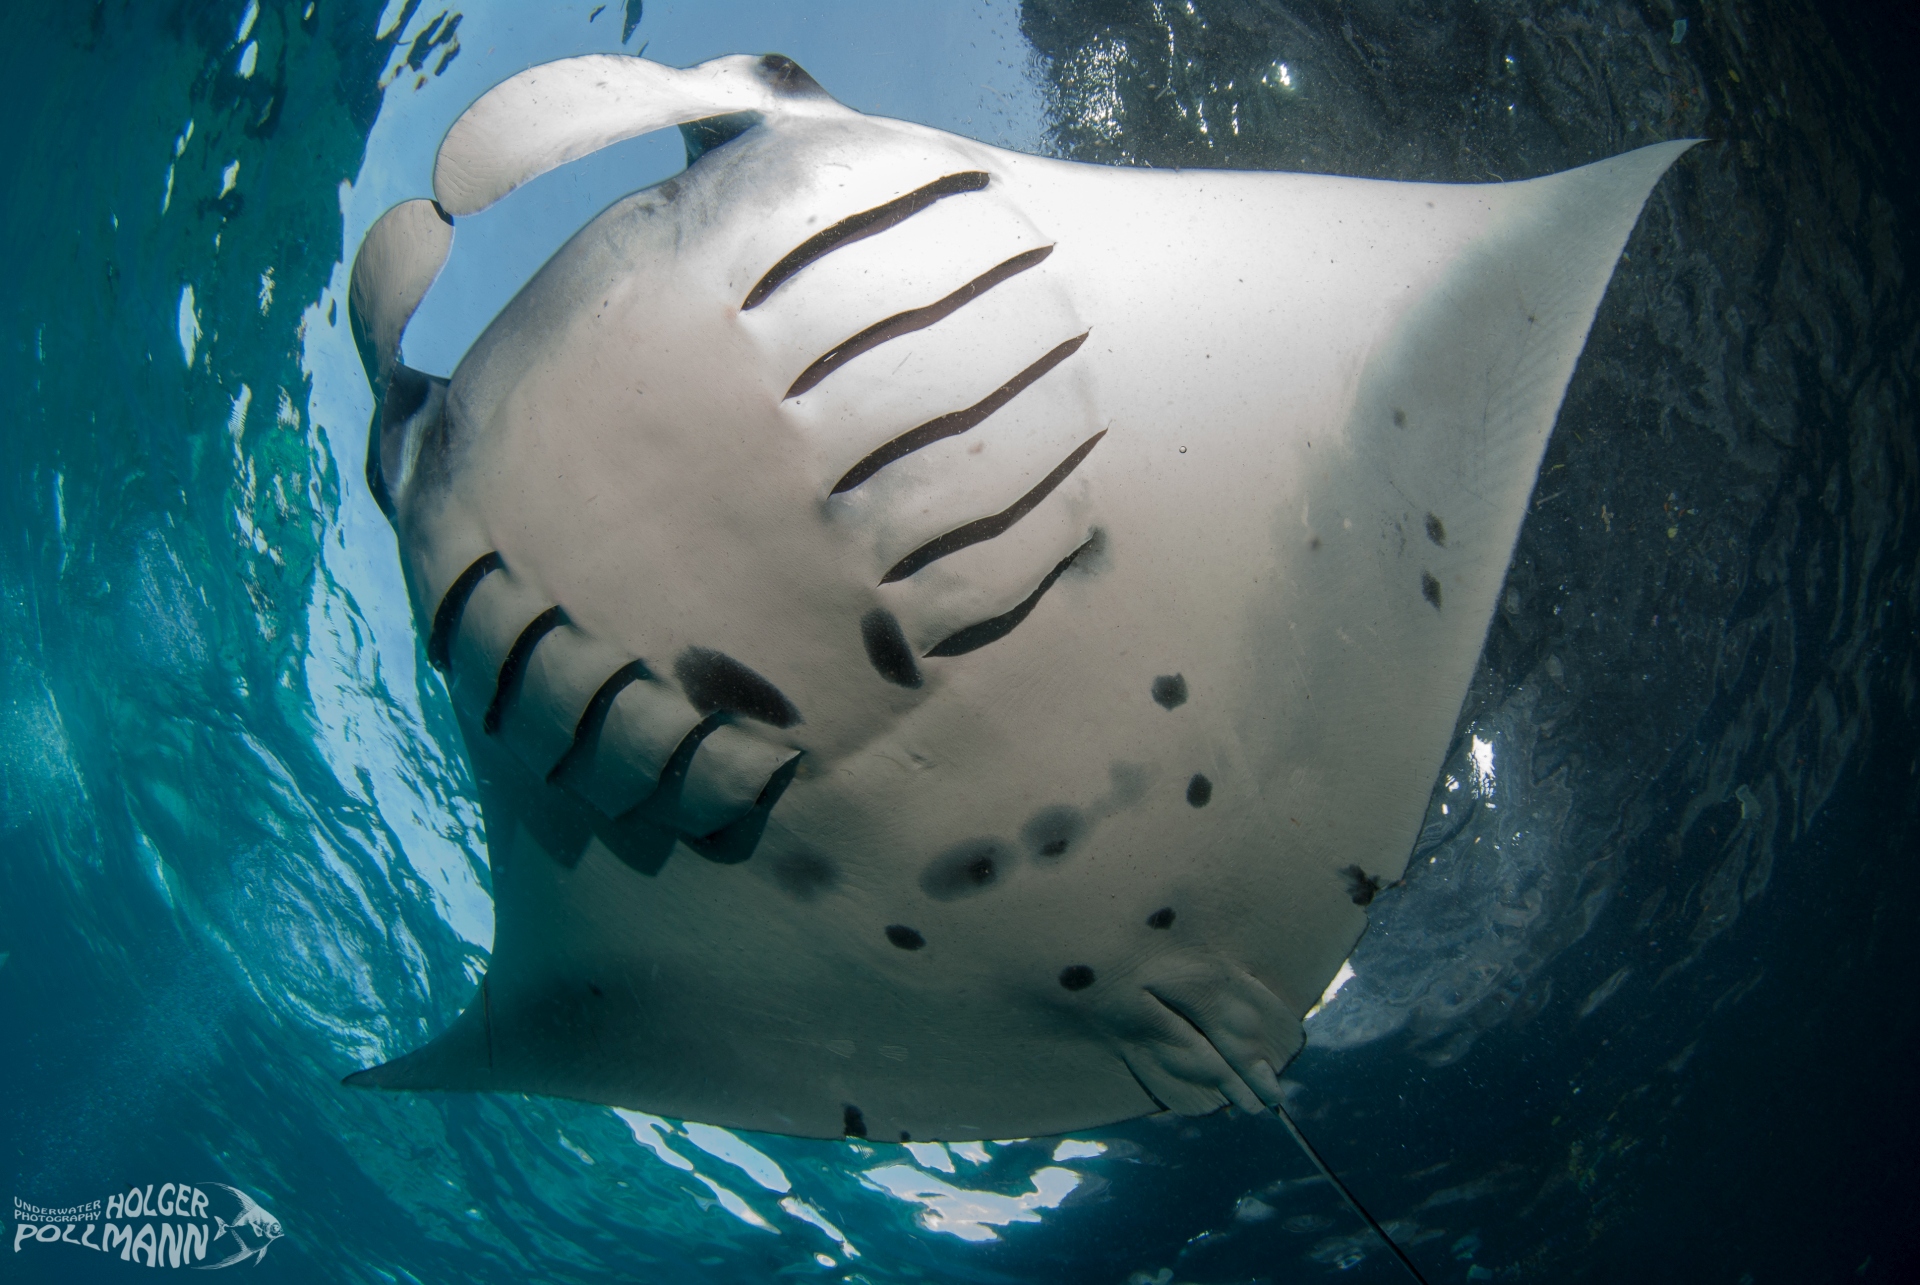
x=935, y=627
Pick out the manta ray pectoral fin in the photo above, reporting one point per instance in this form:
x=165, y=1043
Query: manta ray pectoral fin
x=461, y=1057
x=560, y=111
x=1412, y=511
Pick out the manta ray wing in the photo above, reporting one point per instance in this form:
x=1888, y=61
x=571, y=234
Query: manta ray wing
x=938, y=629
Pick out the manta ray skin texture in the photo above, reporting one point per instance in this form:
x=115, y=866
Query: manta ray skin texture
x=945, y=637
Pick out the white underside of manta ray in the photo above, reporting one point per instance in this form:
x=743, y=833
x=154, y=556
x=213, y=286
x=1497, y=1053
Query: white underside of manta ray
x=948, y=638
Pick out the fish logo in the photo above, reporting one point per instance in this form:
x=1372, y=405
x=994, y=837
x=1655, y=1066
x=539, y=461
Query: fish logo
x=253, y=1231
x=173, y=1226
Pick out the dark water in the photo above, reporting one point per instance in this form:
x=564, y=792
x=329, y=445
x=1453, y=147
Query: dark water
x=1650, y=1016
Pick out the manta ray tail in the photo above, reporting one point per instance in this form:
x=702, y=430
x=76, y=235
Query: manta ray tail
x=1353, y=1202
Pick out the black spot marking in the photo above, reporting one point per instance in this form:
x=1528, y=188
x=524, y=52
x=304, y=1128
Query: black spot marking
x=453, y=603
x=905, y=323
x=1199, y=791
x=1170, y=691
x=1362, y=888
x=1313, y=544
x=1161, y=918
x=995, y=525
x=714, y=680
x=855, y=227
x=852, y=1123
x=1053, y=830
x=506, y=684
x=804, y=875
x=887, y=648
x=962, y=871
x=904, y=937
x=1436, y=530
x=974, y=637
x=1430, y=589
x=1076, y=977
x=1399, y=418
x=957, y=422
x=597, y=992
x=905, y=1136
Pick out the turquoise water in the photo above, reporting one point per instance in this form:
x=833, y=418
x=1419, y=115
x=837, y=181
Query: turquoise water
x=1650, y=1015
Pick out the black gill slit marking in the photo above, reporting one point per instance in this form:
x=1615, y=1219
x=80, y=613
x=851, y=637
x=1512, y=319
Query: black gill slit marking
x=658, y=807
x=586, y=732
x=905, y=323
x=995, y=526
x=957, y=422
x=974, y=637
x=859, y=226
x=507, y=685
x=446, y=617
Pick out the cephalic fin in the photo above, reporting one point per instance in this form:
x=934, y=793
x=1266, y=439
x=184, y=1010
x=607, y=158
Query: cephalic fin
x=560, y=111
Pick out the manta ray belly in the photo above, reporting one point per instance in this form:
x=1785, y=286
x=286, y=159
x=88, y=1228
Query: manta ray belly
x=943, y=634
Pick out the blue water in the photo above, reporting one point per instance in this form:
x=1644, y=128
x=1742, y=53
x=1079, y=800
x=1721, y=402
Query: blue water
x=1645, y=1008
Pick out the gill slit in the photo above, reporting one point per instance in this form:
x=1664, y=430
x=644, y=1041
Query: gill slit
x=957, y=422
x=506, y=684
x=858, y=227
x=905, y=323
x=976, y=636
x=994, y=525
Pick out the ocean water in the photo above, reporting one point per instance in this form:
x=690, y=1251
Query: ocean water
x=1644, y=1008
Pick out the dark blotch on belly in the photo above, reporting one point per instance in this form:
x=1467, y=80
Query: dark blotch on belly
x=1052, y=831
x=852, y=1123
x=1076, y=977
x=714, y=680
x=964, y=870
x=887, y=648
x=1199, y=791
x=1362, y=887
x=1170, y=691
x=1161, y=918
x=804, y=875
x=904, y=937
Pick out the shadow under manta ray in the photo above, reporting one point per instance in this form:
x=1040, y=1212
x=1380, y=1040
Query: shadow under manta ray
x=949, y=639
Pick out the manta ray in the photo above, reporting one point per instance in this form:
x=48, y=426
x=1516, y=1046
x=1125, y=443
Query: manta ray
x=948, y=640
